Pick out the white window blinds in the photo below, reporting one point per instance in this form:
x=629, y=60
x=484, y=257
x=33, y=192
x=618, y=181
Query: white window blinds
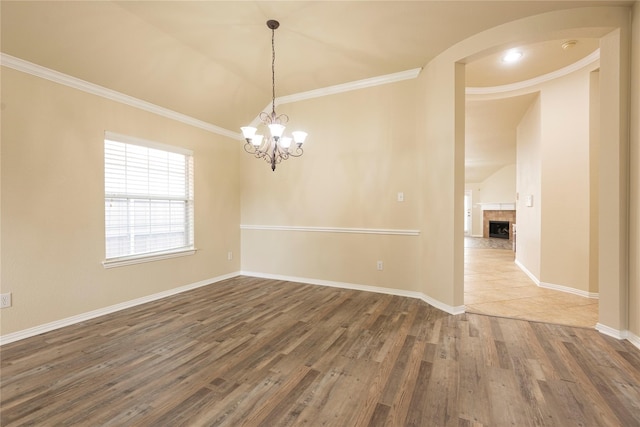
x=148, y=199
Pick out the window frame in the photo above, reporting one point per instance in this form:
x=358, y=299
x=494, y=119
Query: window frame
x=136, y=258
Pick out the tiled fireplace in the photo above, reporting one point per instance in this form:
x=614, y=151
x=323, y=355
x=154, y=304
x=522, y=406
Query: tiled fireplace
x=503, y=220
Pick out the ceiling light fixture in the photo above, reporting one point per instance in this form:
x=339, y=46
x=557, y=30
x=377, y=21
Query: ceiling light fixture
x=512, y=56
x=276, y=147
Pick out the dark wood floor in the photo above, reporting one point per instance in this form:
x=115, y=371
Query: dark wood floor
x=262, y=352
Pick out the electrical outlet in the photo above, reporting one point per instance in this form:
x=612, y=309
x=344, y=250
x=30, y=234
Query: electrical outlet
x=5, y=300
x=229, y=256
x=380, y=265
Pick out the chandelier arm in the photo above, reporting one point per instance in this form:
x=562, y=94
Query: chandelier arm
x=265, y=118
x=266, y=157
x=263, y=155
x=298, y=151
x=271, y=118
x=282, y=119
x=249, y=148
x=257, y=153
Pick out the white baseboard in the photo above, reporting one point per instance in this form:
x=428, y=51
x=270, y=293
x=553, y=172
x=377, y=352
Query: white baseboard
x=615, y=333
x=381, y=290
x=527, y=272
x=554, y=287
x=633, y=339
x=569, y=290
x=620, y=335
x=37, y=330
x=453, y=310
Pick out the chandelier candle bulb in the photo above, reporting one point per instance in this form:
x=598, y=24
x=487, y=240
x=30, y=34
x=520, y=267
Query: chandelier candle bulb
x=248, y=132
x=257, y=140
x=285, y=142
x=276, y=130
x=299, y=137
x=274, y=148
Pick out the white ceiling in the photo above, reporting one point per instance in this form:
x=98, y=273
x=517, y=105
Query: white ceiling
x=211, y=60
x=538, y=59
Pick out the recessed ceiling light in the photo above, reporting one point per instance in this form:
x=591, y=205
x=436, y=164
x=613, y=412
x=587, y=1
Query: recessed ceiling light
x=569, y=44
x=512, y=56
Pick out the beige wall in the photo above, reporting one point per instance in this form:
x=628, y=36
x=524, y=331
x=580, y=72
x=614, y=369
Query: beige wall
x=634, y=217
x=558, y=164
x=528, y=230
x=359, y=154
x=564, y=162
x=52, y=203
x=347, y=259
x=500, y=187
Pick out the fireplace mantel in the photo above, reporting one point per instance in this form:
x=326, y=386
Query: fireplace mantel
x=498, y=206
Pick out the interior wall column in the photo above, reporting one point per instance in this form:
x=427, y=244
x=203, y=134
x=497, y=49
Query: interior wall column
x=594, y=149
x=613, y=183
x=442, y=184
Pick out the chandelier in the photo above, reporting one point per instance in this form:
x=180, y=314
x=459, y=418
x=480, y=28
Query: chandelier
x=275, y=147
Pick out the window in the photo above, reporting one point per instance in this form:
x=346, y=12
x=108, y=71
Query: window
x=148, y=200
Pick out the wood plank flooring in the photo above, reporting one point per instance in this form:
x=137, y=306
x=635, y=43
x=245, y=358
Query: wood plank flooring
x=256, y=352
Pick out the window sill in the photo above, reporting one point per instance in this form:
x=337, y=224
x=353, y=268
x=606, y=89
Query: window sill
x=139, y=259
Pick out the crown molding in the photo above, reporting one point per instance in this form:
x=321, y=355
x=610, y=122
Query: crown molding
x=347, y=87
x=94, y=89
x=525, y=84
x=344, y=87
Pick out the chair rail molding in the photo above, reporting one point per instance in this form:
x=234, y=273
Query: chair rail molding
x=386, y=231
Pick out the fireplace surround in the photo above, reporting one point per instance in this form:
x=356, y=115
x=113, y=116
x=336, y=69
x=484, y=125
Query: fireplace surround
x=508, y=216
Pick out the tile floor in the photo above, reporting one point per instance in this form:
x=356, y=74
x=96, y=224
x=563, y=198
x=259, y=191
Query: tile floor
x=495, y=285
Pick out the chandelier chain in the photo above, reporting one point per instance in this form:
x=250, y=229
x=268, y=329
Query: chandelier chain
x=273, y=71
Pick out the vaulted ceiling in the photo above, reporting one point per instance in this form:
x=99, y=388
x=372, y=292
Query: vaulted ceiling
x=211, y=60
